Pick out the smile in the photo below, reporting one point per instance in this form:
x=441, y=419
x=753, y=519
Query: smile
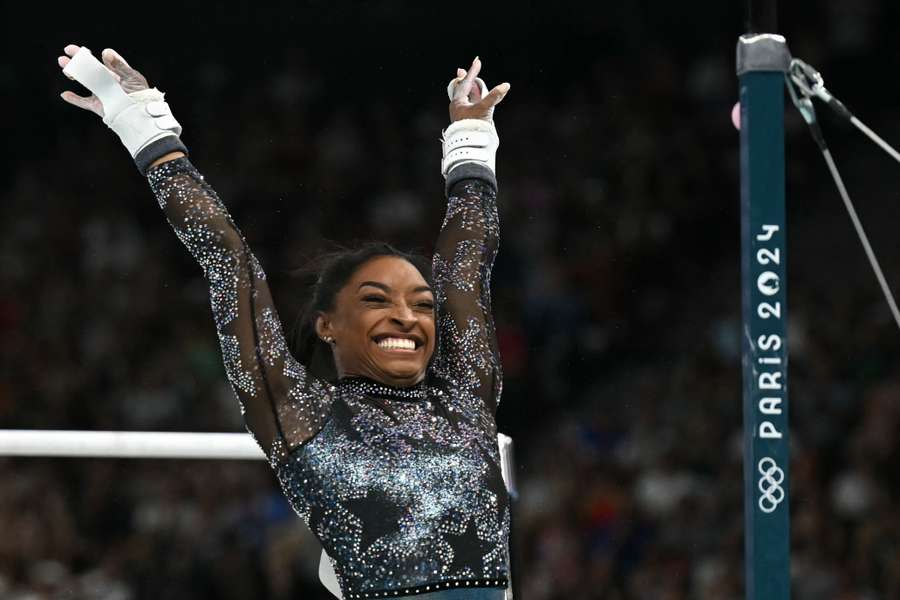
x=397, y=344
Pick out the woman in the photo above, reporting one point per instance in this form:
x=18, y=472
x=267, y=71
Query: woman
x=394, y=466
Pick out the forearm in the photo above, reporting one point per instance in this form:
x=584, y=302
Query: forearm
x=193, y=209
x=470, y=234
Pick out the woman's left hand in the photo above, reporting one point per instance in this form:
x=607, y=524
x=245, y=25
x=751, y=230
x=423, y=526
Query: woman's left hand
x=467, y=102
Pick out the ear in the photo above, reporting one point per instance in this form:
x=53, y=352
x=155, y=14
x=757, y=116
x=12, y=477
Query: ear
x=323, y=326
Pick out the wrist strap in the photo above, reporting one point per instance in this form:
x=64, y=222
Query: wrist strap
x=469, y=141
x=451, y=87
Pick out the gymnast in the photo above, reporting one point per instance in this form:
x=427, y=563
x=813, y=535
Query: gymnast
x=393, y=463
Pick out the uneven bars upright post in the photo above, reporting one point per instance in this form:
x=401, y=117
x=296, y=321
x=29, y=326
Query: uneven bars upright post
x=762, y=61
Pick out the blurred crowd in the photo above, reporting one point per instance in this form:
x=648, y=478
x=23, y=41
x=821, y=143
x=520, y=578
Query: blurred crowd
x=617, y=300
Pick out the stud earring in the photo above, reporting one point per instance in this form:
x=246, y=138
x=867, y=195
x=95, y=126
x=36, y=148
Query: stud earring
x=328, y=339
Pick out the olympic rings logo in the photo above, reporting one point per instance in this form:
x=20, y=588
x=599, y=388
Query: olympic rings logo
x=770, y=485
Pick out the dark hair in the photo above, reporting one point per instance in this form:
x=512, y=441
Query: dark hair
x=332, y=271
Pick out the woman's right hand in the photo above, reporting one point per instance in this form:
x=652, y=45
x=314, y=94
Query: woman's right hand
x=130, y=79
x=121, y=96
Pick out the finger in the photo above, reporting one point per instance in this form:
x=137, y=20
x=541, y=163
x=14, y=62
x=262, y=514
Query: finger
x=465, y=86
x=460, y=75
x=71, y=49
x=76, y=100
x=118, y=65
x=475, y=68
x=62, y=61
x=113, y=56
x=495, y=96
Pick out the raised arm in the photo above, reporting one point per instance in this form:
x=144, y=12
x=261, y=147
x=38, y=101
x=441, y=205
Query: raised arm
x=468, y=241
x=278, y=398
x=282, y=405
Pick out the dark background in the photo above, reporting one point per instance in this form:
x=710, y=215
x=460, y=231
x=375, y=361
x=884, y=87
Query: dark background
x=616, y=290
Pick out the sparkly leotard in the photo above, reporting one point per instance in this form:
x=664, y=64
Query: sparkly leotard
x=405, y=504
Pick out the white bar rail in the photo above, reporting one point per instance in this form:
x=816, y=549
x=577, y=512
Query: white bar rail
x=128, y=444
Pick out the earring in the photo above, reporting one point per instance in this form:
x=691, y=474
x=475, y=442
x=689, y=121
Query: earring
x=328, y=339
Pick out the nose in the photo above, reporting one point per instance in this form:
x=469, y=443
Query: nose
x=403, y=315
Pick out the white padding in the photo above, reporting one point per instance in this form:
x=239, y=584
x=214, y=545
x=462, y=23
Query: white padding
x=92, y=74
x=478, y=139
x=139, y=118
x=158, y=109
x=469, y=141
x=451, y=87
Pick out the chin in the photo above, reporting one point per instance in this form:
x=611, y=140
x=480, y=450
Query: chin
x=406, y=375
x=411, y=375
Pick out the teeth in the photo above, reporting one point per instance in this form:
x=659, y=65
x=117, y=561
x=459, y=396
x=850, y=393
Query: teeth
x=391, y=343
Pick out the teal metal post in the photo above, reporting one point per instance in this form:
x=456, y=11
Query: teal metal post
x=762, y=60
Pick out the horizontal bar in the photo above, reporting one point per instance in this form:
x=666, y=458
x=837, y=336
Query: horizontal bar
x=129, y=444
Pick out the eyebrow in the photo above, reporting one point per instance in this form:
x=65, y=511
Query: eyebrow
x=386, y=288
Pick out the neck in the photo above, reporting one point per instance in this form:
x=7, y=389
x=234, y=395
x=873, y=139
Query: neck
x=381, y=378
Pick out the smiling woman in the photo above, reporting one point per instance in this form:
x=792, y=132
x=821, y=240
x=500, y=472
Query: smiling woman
x=392, y=458
x=374, y=309
x=382, y=326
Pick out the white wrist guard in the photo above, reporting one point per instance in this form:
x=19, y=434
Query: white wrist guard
x=139, y=118
x=469, y=141
x=451, y=87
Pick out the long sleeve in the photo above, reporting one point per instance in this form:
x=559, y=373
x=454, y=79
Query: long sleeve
x=464, y=255
x=283, y=406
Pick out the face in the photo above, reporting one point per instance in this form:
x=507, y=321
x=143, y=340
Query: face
x=382, y=323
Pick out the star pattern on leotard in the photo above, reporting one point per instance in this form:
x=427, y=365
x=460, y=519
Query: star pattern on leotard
x=372, y=530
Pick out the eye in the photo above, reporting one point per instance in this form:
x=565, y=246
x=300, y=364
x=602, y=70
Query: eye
x=374, y=298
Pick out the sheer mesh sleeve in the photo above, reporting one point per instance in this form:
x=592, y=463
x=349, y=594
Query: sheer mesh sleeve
x=464, y=255
x=283, y=406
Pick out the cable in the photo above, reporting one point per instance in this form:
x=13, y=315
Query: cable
x=807, y=110
x=811, y=84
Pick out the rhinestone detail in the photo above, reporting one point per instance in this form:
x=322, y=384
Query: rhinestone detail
x=424, y=589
